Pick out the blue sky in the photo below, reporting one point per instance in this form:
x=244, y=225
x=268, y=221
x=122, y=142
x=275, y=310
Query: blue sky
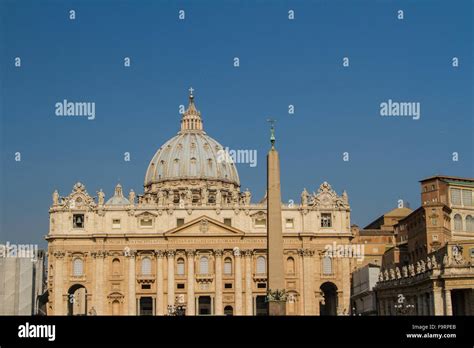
x=282, y=62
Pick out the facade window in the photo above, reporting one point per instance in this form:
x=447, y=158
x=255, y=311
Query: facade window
x=228, y=266
x=228, y=221
x=78, y=221
x=327, y=265
x=146, y=222
x=326, y=220
x=116, y=223
x=228, y=286
x=470, y=223
x=261, y=223
x=77, y=268
x=180, y=268
x=261, y=265
x=179, y=222
x=228, y=310
x=457, y=222
x=433, y=187
x=435, y=237
x=289, y=223
x=467, y=198
x=290, y=265
x=204, y=265
x=455, y=196
x=180, y=286
x=434, y=221
x=146, y=266
x=116, y=267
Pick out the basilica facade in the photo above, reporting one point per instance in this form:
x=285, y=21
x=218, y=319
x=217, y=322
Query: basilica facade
x=193, y=240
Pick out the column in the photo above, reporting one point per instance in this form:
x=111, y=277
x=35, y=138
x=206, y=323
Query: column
x=438, y=302
x=99, y=281
x=219, y=310
x=238, y=282
x=301, y=280
x=248, y=282
x=191, y=301
x=160, y=303
x=419, y=308
x=345, y=304
x=425, y=305
x=430, y=299
x=308, y=281
x=448, y=307
x=170, y=255
x=58, y=284
x=132, y=298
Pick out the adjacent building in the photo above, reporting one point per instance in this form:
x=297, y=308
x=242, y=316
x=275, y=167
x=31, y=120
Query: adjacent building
x=430, y=270
x=363, y=299
x=22, y=282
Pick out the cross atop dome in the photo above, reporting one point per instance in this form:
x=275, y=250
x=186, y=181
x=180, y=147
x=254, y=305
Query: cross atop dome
x=191, y=120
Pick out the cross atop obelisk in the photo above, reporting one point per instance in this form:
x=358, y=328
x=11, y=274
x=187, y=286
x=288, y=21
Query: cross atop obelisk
x=276, y=295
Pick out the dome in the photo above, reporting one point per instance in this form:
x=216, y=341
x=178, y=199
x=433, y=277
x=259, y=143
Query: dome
x=191, y=154
x=118, y=198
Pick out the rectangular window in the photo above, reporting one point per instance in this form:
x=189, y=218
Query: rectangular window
x=455, y=196
x=261, y=285
x=290, y=223
x=146, y=222
x=228, y=221
x=116, y=223
x=78, y=221
x=180, y=268
x=228, y=285
x=467, y=198
x=326, y=220
x=180, y=286
x=146, y=286
x=472, y=252
x=261, y=223
x=179, y=222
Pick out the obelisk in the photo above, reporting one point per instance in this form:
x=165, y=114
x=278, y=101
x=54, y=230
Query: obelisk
x=276, y=296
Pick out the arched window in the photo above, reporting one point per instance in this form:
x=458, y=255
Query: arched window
x=116, y=307
x=77, y=267
x=204, y=265
x=290, y=265
x=146, y=266
x=180, y=268
x=457, y=222
x=327, y=265
x=261, y=265
x=470, y=223
x=228, y=310
x=116, y=267
x=228, y=266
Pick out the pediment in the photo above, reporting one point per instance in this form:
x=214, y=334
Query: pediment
x=146, y=214
x=204, y=227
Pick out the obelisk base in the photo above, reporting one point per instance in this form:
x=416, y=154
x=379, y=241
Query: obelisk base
x=277, y=308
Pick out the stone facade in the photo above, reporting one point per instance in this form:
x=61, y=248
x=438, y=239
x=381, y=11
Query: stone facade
x=194, y=240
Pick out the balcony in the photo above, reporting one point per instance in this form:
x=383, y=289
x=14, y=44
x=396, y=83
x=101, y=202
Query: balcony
x=77, y=279
x=204, y=278
x=145, y=279
x=260, y=277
